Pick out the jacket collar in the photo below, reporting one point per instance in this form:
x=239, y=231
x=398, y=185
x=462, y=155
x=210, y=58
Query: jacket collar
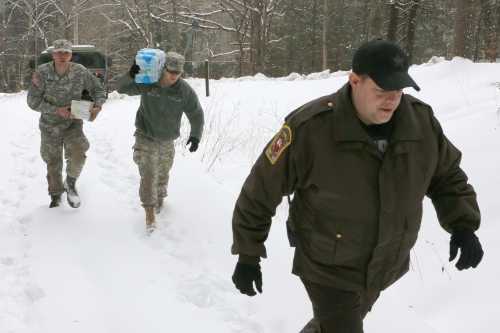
x=173, y=88
x=406, y=125
x=347, y=126
x=52, y=71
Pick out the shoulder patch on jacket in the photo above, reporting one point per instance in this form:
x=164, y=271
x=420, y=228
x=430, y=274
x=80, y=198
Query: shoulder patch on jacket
x=279, y=143
x=309, y=110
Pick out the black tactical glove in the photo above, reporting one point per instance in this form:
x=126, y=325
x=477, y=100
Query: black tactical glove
x=86, y=96
x=245, y=275
x=471, y=251
x=134, y=69
x=194, y=143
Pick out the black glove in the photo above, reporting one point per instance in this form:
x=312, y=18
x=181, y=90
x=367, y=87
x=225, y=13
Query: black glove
x=134, y=69
x=86, y=96
x=471, y=251
x=245, y=275
x=194, y=143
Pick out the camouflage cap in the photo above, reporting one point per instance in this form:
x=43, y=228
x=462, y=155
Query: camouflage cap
x=62, y=45
x=174, y=62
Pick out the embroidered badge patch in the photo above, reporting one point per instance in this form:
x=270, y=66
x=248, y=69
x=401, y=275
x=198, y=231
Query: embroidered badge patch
x=279, y=144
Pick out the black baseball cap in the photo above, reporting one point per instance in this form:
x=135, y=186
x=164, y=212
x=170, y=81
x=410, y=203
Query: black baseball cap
x=385, y=63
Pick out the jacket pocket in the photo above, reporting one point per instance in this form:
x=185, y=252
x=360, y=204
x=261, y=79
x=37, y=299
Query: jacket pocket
x=143, y=149
x=337, y=250
x=322, y=248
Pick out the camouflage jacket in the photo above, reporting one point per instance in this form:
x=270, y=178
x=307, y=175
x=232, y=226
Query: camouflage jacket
x=160, y=112
x=52, y=91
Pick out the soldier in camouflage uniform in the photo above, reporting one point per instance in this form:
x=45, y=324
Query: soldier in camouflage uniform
x=157, y=124
x=53, y=86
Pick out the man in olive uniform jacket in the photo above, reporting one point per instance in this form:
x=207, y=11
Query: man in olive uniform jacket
x=158, y=123
x=358, y=164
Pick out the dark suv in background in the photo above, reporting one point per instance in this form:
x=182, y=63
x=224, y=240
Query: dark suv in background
x=87, y=55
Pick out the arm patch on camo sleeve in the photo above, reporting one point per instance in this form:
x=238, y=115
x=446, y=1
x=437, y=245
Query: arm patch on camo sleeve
x=279, y=143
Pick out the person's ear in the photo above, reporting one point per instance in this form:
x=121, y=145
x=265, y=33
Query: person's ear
x=354, y=79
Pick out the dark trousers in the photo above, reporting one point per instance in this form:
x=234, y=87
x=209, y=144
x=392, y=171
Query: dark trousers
x=339, y=311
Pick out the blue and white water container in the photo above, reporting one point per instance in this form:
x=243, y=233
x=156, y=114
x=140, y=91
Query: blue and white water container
x=151, y=62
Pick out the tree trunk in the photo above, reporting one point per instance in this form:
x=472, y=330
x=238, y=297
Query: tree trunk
x=490, y=29
x=477, y=36
x=240, y=56
x=255, y=44
x=366, y=19
x=460, y=28
x=175, y=32
x=340, y=35
x=392, y=28
x=375, y=24
x=313, y=46
x=76, y=24
x=68, y=28
x=410, y=34
x=260, y=33
x=324, y=46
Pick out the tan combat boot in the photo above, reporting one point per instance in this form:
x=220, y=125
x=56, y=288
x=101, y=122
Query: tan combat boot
x=150, y=218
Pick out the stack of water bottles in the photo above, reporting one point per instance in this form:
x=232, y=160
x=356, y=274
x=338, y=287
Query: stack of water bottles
x=151, y=62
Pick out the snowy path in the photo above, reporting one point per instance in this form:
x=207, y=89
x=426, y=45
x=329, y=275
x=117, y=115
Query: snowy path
x=95, y=266
x=94, y=269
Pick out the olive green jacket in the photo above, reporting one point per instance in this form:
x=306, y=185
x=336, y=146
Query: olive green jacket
x=160, y=112
x=356, y=213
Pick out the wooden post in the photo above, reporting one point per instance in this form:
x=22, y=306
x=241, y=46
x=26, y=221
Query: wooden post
x=207, y=73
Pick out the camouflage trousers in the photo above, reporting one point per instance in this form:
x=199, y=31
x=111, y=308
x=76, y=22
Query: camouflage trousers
x=54, y=141
x=154, y=159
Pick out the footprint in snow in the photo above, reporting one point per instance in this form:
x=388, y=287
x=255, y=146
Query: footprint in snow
x=204, y=290
x=7, y=261
x=34, y=293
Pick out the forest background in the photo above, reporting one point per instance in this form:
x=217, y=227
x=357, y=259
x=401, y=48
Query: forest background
x=246, y=37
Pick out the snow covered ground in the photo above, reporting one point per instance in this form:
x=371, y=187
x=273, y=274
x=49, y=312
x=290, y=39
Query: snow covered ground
x=93, y=270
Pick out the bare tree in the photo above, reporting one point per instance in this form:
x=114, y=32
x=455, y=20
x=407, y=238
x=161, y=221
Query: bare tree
x=488, y=11
x=392, y=27
x=324, y=33
x=411, y=27
x=242, y=37
x=6, y=12
x=239, y=16
x=23, y=34
x=258, y=16
x=462, y=10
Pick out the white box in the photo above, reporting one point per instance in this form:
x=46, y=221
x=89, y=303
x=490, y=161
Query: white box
x=81, y=109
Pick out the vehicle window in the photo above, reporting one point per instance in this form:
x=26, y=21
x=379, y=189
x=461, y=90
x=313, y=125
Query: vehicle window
x=89, y=60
